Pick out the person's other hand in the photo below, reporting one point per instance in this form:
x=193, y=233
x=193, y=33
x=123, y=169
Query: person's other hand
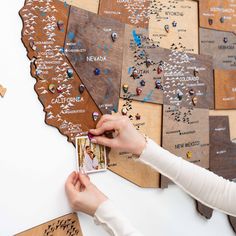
x=83, y=196
x=125, y=137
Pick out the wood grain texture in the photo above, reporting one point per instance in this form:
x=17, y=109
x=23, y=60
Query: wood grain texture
x=67, y=225
x=181, y=17
x=225, y=89
x=189, y=132
x=89, y=5
x=223, y=150
x=138, y=49
x=134, y=12
x=68, y=110
x=89, y=46
x=218, y=14
x=223, y=52
x=122, y=163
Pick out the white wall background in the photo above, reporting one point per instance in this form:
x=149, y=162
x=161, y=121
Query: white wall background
x=35, y=161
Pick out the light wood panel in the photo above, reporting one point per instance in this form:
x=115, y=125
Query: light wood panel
x=89, y=5
x=67, y=225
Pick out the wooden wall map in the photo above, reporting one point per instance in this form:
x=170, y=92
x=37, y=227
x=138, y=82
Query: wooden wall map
x=218, y=14
x=122, y=163
x=68, y=107
x=225, y=89
x=67, y=225
x=96, y=56
x=221, y=46
x=174, y=24
x=133, y=12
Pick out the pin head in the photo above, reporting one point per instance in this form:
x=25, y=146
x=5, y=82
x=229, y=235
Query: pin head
x=139, y=91
x=60, y=24
x=135, y=74
x=95, y=116
x=225, y=40
x=159, y=69
x=167, y=28
x=114, y=36
x=32, y=45
x=174, y=23
x=70, y=73
x=125, y=88
x=81, y=88
x=195, y=100
x=138, y=116
x=142, y=83
x=180, y=94
x=222, y=19
x=97, y=71
x=158, y=84
x=191, y=92
x=59, y=89
x=148, y=62
x=189, y=155
x=124, y=111
x=52, y=88
x=210, y=21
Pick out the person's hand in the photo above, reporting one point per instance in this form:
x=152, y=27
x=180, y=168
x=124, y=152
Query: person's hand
x=82, y=194
x=125, y=137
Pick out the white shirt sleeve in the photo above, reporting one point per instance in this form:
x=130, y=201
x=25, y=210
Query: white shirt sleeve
x=203, y=185
x=113, y=222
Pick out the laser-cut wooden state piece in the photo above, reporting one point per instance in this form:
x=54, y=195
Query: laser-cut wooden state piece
x=225, y=89
x=221, y=46
x=218, y=14
x=134, y=12
x=90, y=47
x=67, y=225
x=222, y=157
x=174, y=24
x=140, y=66
x=57, y=86
x=2, y=91
x=88, y=5
x=188, y=139
x=122, y=163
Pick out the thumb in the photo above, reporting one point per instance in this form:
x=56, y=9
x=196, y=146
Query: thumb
x=84, y=180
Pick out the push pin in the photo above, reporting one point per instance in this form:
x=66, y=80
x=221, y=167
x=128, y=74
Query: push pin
x=195, y=100
x=59, y=89
x=135, y=74
x=189, y=155
x=174, y=23
x=158, y=84
x=225, y=40
x=2, y=91
x=148, y=62
x=32, y=45
x=95, y=116
x=142, y=83
x=114, y=36
x=159, y=69
x=70, y=73
x=222, y=19
x=139, y=91
x=124, y=111
x=52, y=88
x=138, y=116
x=191, y=92
x=195, y=73
x=210, y=21
x=125, y=88
x=60, y=25
x=180, y=95
x=167, y=28
x=81, y=88
x=90, y=136
x=97, y=71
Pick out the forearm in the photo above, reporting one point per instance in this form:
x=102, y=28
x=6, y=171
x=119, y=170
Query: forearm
x=113, y=221
x=201, y=184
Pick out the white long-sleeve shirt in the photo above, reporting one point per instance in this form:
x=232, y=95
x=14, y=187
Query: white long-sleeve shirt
x=203, y=185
